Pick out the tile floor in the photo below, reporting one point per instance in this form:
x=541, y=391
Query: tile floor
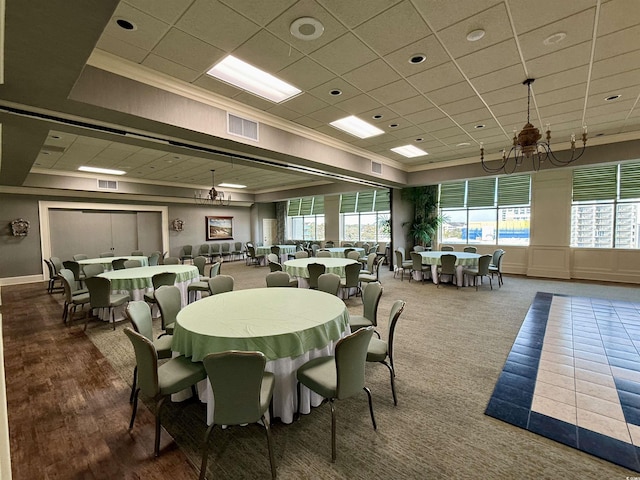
x=573, y=375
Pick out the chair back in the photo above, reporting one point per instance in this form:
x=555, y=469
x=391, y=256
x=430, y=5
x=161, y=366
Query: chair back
x=74, y=267
x=376, y=266
x=278, y=279
x=416, y=258
x=79, y=256
x=371, y=299
x=57, y=264
x=237, y=246
x=353, y=255
x=139, y=314
x=99, y=291
x=403, y=253
x=347, y=251
x=172, y=261
x=251, y=251
x=469, y=249
x=187, y=249
x=275, y=249
x=272, y=257
x=221, y=284
x=396, y=310
x=496, y=257
x=301, y=254
x=347, y=244
x=236, y=381
x=329, y=283
x=323, y=254
x=67, y=275
x=93, y=269
x=146, y=361
x=448, y=264
x=483, y=264
x=315, y=270
x=169, y=301
x=204, y=250
x=137, y=253
x=314, y=248
x=225, y=248
x=366, y=248
x=274, y=266
x=200, y=262
x=351, y=356
x=351, y=273
x=418, y=248
x=50, y=267
x=106, y=254
x=398, y=258
x=446, y=248
x=214, y=270
x=154, y=259
x=371, y=260
x=329, y=244
x=163, y=278
x=132, y=263
x=214, y=249
x=118, y=263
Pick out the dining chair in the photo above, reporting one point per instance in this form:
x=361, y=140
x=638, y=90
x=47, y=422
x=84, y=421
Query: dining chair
x=347, y=244
x=169, y=300
x=214, y=250
x=495, y=267
x=100, y=296
x=205, y=252
x=323, y=254
x=158, y=280
x=53, y=277
x=351, y=280
x=137, y=253
x=132, y=263
x=417, y=266
x=106, y=254
x=447, y=267
x=74, y=266
x=160, y=382
x=329, y=244
x=225, y=250
x=275, y=266
x=237, y=251
x=339, y=376
x=252, y=257
x=353, y=255
x=446, y=248
x=401, y=264
x=75, y=290
x=92, y=270
x=71, y=300
x=315, y=270
x=154, y=259
x=418, y=248
x=379, y=350
x=374, y=276
x=57, y=264
x=347, y=251
x=368, y=263
x=118, y=263
x=243, y=393
x=200, y=261
x=329, y=283
x=280, y=279
x=470, y=249
x=301, y=254
x=79, y=256
x=272, y=257
x=481, y=270
x=221, y=284
x=139, y=314
x=314, y=249
x=275, y=249
x=171, y=261
x=370, y=299
x=187, y=253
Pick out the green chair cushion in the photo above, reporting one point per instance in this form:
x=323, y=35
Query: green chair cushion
x=163, y=346
x=117, y=299
x=367, y=278
x=179, y=373
x=170, y=328
x=149, y=297
x=202, y=286
x=80, y=299
x=377, y=350
x=358, y=321
x=80, y=291
x=320, y=375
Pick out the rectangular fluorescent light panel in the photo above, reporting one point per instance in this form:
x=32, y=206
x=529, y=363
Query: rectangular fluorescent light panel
x=409, y=151
x=356, y=127
x=247, y=77
x=231, y=185
x=106, y=171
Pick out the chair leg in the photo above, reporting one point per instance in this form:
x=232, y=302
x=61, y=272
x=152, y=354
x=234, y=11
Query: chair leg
x=490, y=282
x=134, y=384
x=205, y=452
x=373, y=418
x=272, y=462
x=298, y=408
x=134, y=409
x=393, y=383
x=112, y=315
x=159, y=405
x=333, y=430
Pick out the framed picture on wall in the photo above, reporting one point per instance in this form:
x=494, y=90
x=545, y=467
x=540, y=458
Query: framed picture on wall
x=219, y=228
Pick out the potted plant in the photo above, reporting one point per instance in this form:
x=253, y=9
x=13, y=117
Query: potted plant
x=423, y=230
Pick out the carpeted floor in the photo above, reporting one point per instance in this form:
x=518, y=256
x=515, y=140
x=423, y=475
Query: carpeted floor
x=451, y=345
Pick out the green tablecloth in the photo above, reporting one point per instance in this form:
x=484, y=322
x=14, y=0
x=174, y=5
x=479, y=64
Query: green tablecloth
x=280, y=322
x=463, y=258
x=139, y=278
x=106, y=261
x=284, y=249
x=338, y=252
x=298, y=267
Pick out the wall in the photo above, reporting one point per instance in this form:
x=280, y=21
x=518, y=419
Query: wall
x=19, y=256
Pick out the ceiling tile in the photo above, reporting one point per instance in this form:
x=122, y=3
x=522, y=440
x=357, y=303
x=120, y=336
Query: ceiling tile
x=411, y=105
x=441, y=14
x=452, y=92
x=610, y=85
x=564, y=107
x=559, y=60
x=255, y=101
x=500, y=79
x=305, y=74
x=393, y=92
x=344, y=54
x=201, y=55
x=614, y=65
x=149, y=30
x=491, y=59
x=464, y=105
x=328, y=114
x=168, y=12
x=425, y=116
x=571, y=76
x=372, y=75
x=561, y=95
x=121, y=49
x=513, y=93
x=170, y=68
x=358, y=104
x=437, y=77
x=546, y=11
x=352, y=13
x=474, y=117
x=323, y=91
x=618, y=15
x=429, y=46
x=216, y=86
x=308, y=122
x=387, y=115
x=283, y=112
x=266, y=51
x=260, y=12
x=305, y=103
x=394, y=29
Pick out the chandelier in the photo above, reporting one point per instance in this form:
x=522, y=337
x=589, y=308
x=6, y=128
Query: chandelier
x=213, y=197
x=527, y=145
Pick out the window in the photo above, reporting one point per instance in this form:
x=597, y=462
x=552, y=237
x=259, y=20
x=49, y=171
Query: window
x=486, y=211
x=605, y=212
x=305, y=218
x=364, y=216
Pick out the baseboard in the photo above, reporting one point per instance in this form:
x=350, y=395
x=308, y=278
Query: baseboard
x=20, y=280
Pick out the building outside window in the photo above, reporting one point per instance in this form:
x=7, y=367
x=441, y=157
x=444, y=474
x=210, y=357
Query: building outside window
x=605, y=212
x=364, y=216
x=305, y=219
x=486, y=211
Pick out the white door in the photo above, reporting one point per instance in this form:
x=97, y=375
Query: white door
x=269, y=228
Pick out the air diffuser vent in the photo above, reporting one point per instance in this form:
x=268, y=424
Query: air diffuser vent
x=107, y=185
x=242, y=127
x=376, y=168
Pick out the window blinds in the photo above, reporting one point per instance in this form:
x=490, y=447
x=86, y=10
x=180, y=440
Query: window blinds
x=366, y=201
x=514, y=190
x=596, y=183
x=481, y=192
x=452, y=195
x=305, y=206
x=629, y=181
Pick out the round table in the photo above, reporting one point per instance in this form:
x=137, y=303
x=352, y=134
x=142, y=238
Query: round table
x=285, y=250
x=289, y=325
x=106, y=261
x=463, y=259
x=298, y=267
x=338, y=252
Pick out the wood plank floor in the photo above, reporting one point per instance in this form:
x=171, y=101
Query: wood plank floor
x=68, y=410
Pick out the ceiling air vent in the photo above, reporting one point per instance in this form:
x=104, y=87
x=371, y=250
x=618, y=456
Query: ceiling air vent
x=107, y=185
x=376, y=168
x=242, y=127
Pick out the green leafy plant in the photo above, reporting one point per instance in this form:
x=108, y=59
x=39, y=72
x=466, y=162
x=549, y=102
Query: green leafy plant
x=426, y=220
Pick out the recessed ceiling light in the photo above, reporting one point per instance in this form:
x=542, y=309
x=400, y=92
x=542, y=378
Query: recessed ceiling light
x=417, y=58
x=612, y=97
x=335, y=92
x=555, y=38
x=55, y=136
x=479, y=126
x=231, y=185
x=247, y=77
x=393, y=125
x=463, y=144
x=306, y=28
x=357, y=127
x=409, y=151
x=45, y=153
x=599, y=134
x=419, y=139
x=475, y=35
x=377, y=116
x=106, y=171
x=126, y=24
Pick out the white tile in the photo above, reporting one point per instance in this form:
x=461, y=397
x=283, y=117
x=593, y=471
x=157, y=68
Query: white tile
x=592, y=366
x=600, y=406
x=626, y=374
x=556, y=393
x=548, y=347
x=594, y=377
x=583, y=347
x=559, y=341
x=554, y=367
x=557, y=358
x=554, y=409
x=557, y=379
x=603, y=425
x=592, y=357
x=597, y=390
x=634, y=430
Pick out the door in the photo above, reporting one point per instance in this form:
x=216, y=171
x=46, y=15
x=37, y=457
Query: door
x=269, y=229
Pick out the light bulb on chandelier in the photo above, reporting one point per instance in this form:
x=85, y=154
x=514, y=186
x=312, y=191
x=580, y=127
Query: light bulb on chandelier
x=527, y=145
x=213, y=198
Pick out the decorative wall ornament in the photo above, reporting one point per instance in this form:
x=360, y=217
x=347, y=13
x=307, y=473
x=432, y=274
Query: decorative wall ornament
x=177, y=225
x=20, y=227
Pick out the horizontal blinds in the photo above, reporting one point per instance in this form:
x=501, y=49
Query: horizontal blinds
x=382, y=203
x=294, y=207
x=629, y=181
x=348, y=203
x=365, y=201
x=514, y=190
x=595, y=183
x=318, y=206
x=481, y=192
x=305, y=205
x=452, y=195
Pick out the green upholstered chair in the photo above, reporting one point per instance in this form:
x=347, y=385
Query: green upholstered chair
x=353, y=255
x=106, y=254
x=92, y=269
x=221, y=284
x=53, y=278
x=80, y=256
x=252, y=257
x=323, y=254
x=301, y=254
x=374, y=275
x=280, y=279
x=401, y=264
x=139, y=314
x=417, y=266
x=418, y=248
x=75, y=290
x=495, y=267
x=132, y=263
x=367, y=263
x=137, y=253
x=202, y=285
x=204, y=251
x=351, y=280
x=329, y=244
x=169, y=301
x=347, y=251
x=187, y=253
x=154, y=259
x=447, y=267
x=482, y=270
x=101, y=297
x=225, y=250
x=118, y=263
x=275, y=266
x=275, y=249
x=159, y=382
x=242, y=392
x=329, y=283
x=74, y=266
x=200, y=261
x=158, y=280
x=381, y=351
x=237, y=251
x=339, y=376
x=272, y=257
x=315, y=270
x=470, y=249
x=171, y=261
x=371, y=299
x=446, y=248
x=71, y=301
x=214, y=250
